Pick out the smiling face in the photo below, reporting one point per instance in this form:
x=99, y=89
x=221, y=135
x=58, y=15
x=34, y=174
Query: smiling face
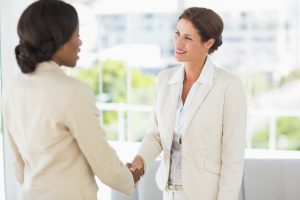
x=188, y=43
x=67, y=54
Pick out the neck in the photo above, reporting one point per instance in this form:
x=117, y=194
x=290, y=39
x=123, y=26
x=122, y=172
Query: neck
x=193, y=70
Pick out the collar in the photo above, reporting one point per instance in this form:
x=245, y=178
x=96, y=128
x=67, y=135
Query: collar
x=48, y=65
x=206, y=75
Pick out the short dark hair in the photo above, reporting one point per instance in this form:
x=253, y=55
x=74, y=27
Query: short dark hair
x=43, y=28
x=208, y=24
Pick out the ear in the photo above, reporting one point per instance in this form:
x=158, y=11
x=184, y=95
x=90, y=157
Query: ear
x=210, y=42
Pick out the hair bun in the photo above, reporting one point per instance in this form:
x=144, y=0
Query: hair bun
x=218, y=41
x=27, y=57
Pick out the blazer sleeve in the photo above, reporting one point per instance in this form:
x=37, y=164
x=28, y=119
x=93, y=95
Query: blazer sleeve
x=83, y=122
x=233, y=141
x=17, y=160
x=151, y=145
x=18, y=163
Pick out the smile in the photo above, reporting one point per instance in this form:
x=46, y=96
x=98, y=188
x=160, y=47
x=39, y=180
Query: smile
x=179, y=52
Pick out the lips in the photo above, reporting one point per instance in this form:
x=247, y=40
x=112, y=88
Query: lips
x=78, y=53
x=179, y=52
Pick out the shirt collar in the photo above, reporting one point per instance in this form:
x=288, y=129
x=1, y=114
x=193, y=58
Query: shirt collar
x=206, y=76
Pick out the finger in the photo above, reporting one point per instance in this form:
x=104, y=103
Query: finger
x=133, y=167
x=128, y=165
x=136, y=165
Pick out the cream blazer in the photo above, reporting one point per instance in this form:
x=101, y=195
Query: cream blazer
x=214, y=136
x=56, y=138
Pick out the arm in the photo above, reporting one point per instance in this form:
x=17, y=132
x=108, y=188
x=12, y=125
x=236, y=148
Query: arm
x=18, y=162
x=233, y=141
x=83, y=122
x=151, y=145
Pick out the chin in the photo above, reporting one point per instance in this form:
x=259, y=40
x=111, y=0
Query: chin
x=179, y=59
x=73, y=64
x=70, y=65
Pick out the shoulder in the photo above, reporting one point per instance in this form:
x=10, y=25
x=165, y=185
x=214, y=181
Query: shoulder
x=76, y=84
x=167, y=74
x=77, y=88
x=227, y=78
x=225, y=75
x=231, y=84
x=12, y=83
x=58, y=83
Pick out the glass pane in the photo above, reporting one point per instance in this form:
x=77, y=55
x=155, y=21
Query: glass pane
x=260, y=139
x=127, y=52
x=288, y=130
x=140, y=124
x=124, y=49
x=112, y=123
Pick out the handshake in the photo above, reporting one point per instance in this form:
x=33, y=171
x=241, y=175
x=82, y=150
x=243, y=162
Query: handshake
x=137, y=168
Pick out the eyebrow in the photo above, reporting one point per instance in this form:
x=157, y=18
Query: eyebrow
x=187, y=35
x=184, y=34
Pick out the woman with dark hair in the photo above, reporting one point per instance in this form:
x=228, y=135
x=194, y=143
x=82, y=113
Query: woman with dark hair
x=199, y=118
x=51, y=119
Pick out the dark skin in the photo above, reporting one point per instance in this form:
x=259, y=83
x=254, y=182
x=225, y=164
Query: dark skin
x=137, y=173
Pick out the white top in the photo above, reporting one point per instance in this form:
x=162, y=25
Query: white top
x=206, y=78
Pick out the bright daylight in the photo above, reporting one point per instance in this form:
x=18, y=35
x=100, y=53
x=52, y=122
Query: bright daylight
x=202, y=104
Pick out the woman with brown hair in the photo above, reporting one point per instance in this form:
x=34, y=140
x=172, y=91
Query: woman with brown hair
x=199, y=119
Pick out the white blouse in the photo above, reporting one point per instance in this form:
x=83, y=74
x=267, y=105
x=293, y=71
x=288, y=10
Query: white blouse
x=206, y=78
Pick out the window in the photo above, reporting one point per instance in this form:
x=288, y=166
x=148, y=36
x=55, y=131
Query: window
x=257, y=45
x=124, y=48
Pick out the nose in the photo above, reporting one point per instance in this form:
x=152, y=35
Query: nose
x=178, y=42
x=80, y=42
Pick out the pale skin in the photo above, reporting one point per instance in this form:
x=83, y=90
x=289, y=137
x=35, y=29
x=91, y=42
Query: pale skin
x=192, y=52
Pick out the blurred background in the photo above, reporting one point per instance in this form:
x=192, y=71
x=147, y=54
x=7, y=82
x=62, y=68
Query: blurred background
x=126, y=43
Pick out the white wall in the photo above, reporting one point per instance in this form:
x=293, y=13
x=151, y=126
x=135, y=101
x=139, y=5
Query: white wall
x=10, y=13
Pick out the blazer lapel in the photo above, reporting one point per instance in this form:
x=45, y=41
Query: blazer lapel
x=199, y=97
x=170, y=99
x=175, y=90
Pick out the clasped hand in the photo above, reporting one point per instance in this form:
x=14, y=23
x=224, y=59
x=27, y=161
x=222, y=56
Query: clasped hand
x=137, y=168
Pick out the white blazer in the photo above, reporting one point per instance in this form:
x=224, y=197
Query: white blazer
x=214, y=136
x=56, y=138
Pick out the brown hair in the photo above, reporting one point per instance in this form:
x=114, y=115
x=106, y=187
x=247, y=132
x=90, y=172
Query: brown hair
x=208, y=24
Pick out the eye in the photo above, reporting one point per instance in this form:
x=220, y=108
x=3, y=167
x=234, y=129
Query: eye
x=187, y=38
x=177, y=33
